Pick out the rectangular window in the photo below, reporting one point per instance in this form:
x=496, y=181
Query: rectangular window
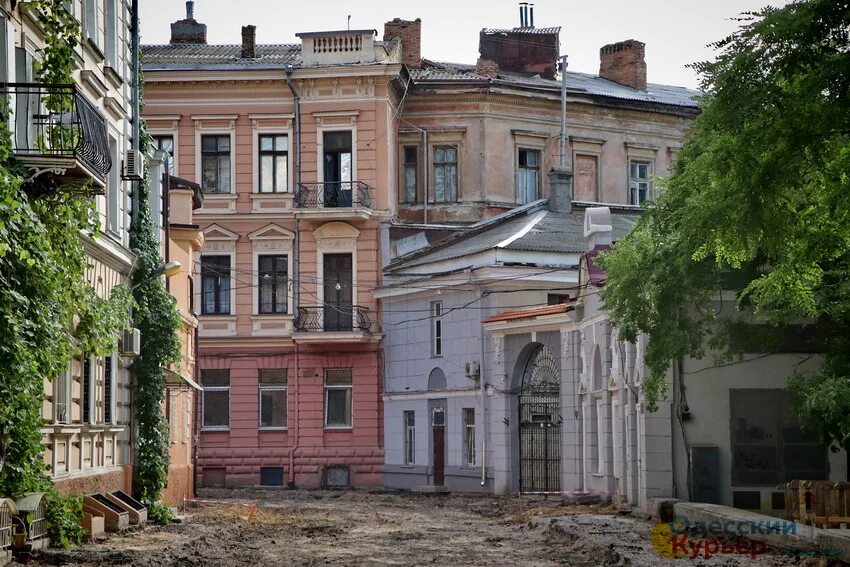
x=215, y=285
x=273, y=284
x=4, y=49
x=90, y=19
x=411, y=174
x=586, y=178
x=337, y=148
x=437, y=328
x=409, y=438
x=639, y=186
x=528, y=176
x=108, y=388
x=87, y=389
x=215, y=163
x=337, y=397
x=557, y=298
x=111, y=33
x=273, y=411
x=469, y=437
x=274, y=163
x=62, y=397
x=445, y=174
x=166, y=143
x=216, y=400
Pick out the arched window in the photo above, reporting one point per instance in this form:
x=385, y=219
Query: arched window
x=437, y=380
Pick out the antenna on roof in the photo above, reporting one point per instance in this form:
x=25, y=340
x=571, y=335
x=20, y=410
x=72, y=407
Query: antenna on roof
x=349, y=22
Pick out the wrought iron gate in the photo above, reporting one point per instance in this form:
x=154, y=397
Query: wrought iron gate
x=540, y=424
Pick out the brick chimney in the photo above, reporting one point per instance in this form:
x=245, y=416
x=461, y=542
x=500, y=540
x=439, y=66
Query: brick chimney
x=249, y=42
x=486, y=67
x=189, y=30
x=525, y=50
x=410, y=33
x=624, y=63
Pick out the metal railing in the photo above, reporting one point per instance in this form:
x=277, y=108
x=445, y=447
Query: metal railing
x=333, y=194
x=57, y=121
x=331, y=318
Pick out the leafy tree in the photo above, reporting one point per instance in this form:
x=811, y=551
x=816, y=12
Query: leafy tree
x=760, y=192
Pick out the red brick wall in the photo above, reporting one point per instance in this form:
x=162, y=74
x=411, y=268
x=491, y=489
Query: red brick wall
x=410, y=33
x=624, y=63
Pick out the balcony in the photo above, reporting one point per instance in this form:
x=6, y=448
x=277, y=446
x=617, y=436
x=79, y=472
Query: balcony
x=58, y=135
x=334, y=199
x=332, y=323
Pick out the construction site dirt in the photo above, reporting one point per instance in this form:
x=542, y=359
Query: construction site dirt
x=261, y=528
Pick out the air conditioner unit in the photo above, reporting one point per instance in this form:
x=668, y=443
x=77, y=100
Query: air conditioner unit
x=134, y=165
x=131, y=340
x=473, y=370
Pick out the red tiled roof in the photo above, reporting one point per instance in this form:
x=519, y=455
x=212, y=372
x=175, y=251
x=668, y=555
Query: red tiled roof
x=530, y=313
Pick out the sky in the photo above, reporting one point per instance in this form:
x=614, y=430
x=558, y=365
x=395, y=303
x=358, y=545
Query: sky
x=676, y=32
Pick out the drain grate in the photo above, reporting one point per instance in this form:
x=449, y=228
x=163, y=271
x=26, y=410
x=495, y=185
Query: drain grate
x=336, y=477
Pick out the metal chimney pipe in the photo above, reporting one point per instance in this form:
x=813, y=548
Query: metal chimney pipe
x=522, y=16
x=531, y=16
x=190, y=10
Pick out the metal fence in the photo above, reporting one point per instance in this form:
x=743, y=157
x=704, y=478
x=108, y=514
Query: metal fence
x=330, y=194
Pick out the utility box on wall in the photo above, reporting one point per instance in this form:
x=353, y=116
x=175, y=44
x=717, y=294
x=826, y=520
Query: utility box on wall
x=705, y=474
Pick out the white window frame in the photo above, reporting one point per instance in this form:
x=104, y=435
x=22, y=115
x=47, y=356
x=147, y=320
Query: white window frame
x=269, y=240
x=634, y=182
x=437, y=329
x=90, y=14
x=469, y=444
x=334, y=122
x=270, y=388
x=115, y=191
x=258, y=131
x=335, y=238
x=289, y=281
x=539, y=188
x=161, y=132
x=204, y=426
x=229, y=130
x=200, y=280
x=409, y=444
x=63, y=383
x=350, y=388
x=432, y=178
x=111, y=26
x=92, y=380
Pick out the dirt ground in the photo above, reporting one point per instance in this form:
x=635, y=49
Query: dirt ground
x=357, y=528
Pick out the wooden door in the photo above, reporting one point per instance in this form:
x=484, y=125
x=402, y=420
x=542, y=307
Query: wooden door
x=438, y=436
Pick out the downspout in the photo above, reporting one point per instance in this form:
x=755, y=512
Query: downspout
x=425, y=176
x=134, y=91
x=196, y=407
x=296, y=269
x=483, y=386
x=166, y=216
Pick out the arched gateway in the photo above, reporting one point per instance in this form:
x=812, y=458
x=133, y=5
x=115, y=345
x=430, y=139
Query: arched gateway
x=540, y=421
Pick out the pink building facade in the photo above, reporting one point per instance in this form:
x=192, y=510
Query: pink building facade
x=291, y=145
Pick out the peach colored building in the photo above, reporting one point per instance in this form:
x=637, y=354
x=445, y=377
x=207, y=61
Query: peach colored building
x=173, y=203
x=292, y=147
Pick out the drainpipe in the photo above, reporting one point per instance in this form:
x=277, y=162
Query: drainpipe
x=134, y=64
x=296, y=269
x=166, y=215
x=483, y=385
x=425, y=176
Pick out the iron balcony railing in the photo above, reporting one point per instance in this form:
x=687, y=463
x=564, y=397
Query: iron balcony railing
x=329, y=194
x=57, y=121
x=331, y=318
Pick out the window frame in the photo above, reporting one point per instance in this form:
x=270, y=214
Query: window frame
x=64, y=383
x=437, y=329
x=350, y=116
x=405, y=198
x=109, y=362
x=156, y=141
x=469, y=441
x=446, y=164
x=114, y=191
x=276, y=283
x=88, y=390
x=111, y=34
x=230, y=153
x=220, y=293
x=536, y=169
x=204, y=426
x=90, y=20
x=349, y=387
x=274, y=153
x=635, y=182
x=409, y=440
x=261, y=389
